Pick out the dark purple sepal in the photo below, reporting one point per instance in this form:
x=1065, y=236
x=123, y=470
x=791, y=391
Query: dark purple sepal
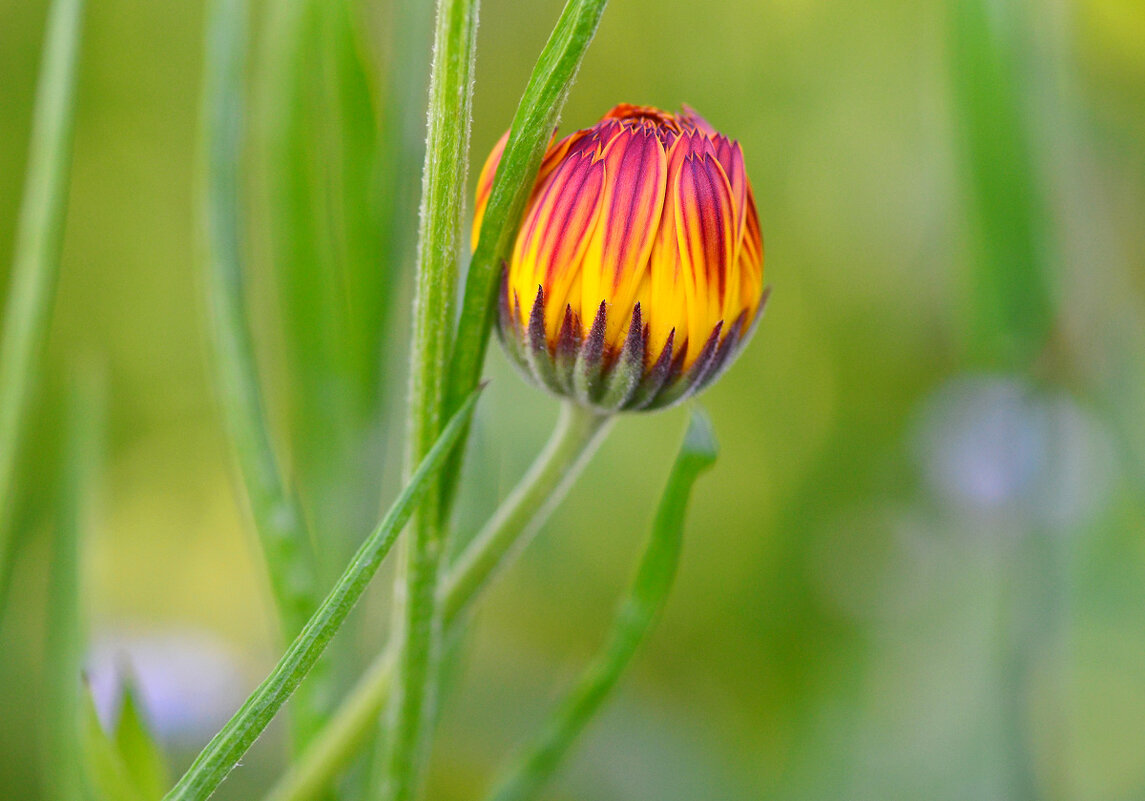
x=691, y=379
x=740, y=334
x=725, y=353
x=537, y=347
x=590, y=361
x=625, y=374
x=655, y=378
x=568, y=347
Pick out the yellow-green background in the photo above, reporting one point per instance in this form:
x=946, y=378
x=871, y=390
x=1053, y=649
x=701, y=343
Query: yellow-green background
x=838, y=629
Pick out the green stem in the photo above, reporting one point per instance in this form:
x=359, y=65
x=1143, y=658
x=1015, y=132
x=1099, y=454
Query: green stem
x=443, y=189
x=39, y=238
x=633, y=621
x=223, y=752
x=577, y=434
x=575, y=438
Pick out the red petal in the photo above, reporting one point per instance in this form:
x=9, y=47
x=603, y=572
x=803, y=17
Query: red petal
x=636, y=173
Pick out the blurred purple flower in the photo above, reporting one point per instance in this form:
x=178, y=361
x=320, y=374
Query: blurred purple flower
x=189, y=681
x=998, y=447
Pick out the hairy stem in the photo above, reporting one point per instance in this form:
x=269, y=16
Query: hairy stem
x=443, y=187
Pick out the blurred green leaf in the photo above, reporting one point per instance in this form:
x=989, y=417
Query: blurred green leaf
x=39, y=240
x=107, y=777
x=66, y=635
x=326, y=207
x=1011, y=305
x=633, y=621
x=277, y=515
x=141, y=754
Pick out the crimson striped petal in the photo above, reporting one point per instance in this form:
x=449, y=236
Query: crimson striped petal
x=555, y=234
x=705, y=228
x=636, y=174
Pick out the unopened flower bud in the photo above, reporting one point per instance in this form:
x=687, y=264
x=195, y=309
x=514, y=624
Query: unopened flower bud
x=637, y=273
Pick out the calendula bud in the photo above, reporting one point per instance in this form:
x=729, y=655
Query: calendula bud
x=637, y=273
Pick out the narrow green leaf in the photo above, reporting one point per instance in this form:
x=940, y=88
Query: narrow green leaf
x=1011, y=304
x=106, y=777
x=39, y=238
x=275, y=509
x=633, y=621
x=138, y=749
x=223, y=752
x=533, y=125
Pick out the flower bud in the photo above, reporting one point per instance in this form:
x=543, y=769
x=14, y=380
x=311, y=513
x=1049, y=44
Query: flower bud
x=637, y=273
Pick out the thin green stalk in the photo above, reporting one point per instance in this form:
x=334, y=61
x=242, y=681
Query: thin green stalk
x=577, y=435
x=575, y=438
x=634, y=620
x=443, y=191
x=63, y=658
x=39, y=238
x=274, y=507
x=223, y=752
x=533, y=124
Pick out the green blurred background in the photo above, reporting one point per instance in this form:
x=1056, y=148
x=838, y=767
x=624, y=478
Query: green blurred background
x=917, y=570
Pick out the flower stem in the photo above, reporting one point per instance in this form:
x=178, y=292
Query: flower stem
x=575, y=438
x=577, y=434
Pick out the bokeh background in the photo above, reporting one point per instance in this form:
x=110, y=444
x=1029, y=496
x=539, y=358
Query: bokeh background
x=916, y=571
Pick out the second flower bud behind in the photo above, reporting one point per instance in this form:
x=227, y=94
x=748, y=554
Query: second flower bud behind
x=637, y=272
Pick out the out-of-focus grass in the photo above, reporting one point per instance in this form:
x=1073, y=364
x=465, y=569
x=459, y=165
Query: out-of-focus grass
x=830, y=631
x=329, y=187
x=36, y=259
